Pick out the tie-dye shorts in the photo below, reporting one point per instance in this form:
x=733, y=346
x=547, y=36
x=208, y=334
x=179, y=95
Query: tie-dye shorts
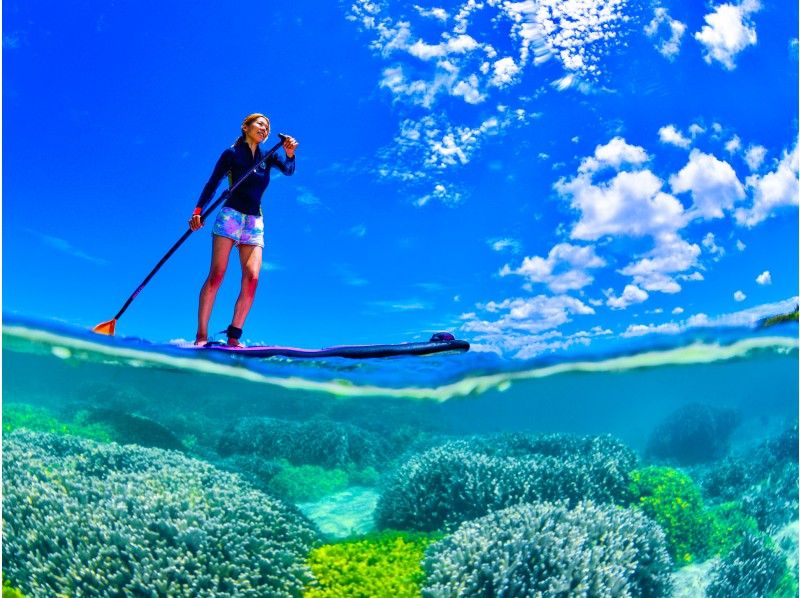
x=242, y=228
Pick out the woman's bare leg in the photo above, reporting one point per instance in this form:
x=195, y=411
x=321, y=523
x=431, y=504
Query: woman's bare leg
x=250, y=257
x=220, y=253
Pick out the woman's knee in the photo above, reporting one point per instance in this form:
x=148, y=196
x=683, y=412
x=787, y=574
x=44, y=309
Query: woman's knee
x=215, y=277
x=250, y=276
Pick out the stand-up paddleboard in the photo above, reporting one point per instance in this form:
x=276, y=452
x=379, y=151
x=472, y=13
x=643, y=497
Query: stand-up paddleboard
x=440, y=342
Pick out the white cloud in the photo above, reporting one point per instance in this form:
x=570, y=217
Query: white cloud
x=713, y=184
x=672, y=136
x=764, y=278
x=575, y=33
x=740, y=246
x=441, y=193
x=505, y=70
x=710, y=243
x=436, y=13
x=655, y=270
x=307, y=198
x=677, y=311
x=754, y=156
x=643, y=329
x=527, y=327
x=746, y=317
x=728, y=31
x=564, y=269
x=631, y=203
x=614, y=154
x=771, y=191
x=460, y=44
x=733, y=145
x=669, y=32
x=739, y=296
x=506, y=244
x=630, y=296
x=695, y=130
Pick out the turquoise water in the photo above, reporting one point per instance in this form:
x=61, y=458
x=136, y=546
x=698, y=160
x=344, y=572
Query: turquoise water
x=342, y=449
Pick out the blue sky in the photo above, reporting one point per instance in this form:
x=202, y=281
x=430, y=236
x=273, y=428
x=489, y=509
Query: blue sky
x=534, y=176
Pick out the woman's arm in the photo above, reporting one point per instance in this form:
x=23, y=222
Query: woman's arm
x=222, y=166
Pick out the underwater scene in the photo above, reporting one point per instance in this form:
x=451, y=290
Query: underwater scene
x=659, y=469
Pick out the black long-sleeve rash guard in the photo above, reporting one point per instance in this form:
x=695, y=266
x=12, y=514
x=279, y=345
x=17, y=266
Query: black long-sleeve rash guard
x=235, y=161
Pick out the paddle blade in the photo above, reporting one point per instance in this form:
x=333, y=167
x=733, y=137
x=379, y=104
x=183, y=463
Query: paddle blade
x=105, y=327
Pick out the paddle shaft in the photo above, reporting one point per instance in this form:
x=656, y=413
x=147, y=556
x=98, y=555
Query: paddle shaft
x=203, y=216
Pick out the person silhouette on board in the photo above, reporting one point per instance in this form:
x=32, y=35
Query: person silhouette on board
x=240, y=222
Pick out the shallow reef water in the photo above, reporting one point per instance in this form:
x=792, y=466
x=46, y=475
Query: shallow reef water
x=664, y=468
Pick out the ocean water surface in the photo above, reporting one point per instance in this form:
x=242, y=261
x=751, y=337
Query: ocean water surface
x=665, y=468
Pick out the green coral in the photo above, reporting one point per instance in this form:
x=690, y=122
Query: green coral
x=11, y=592
x=673, y=500
x=39, y=419
x=306, y=483
x=309, y=483
x=729, y=525
x=382, y=564
x=787, y=585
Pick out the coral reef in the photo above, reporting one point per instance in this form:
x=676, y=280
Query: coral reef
x=693, y=532
x=325, y=443
x=673, y=500
x=82, y=518
x=305, y=483
x=9, y=591
x=465, y=479
x=41, y=419
x=134, y=429
x=751, y=570
x=693, y=434
x=385, y=564
x=547, y=549
x=764, y=478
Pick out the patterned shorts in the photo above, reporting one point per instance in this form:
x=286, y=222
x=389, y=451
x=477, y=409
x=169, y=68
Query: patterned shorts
x=242, y=228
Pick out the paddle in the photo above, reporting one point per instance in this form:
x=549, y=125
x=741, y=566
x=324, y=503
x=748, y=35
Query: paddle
x=109, y=326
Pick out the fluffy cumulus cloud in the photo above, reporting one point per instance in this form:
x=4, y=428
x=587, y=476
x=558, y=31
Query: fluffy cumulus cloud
x=771, y=191
x=739, y=296
x=764, y=278
x=630, y=296
x=630, y=203
x=673, y=136
x=564, y=269
x=712, y=183
x=754, y=156
x=667, y=33
x=656, y=270
x=733, y=145
x=525, y=327
x=728, y=31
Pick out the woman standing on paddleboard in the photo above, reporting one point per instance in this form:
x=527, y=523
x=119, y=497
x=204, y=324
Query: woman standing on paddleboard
x=240, y=222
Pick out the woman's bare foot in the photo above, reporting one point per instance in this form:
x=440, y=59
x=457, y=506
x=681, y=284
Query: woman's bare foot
x=200, y=341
